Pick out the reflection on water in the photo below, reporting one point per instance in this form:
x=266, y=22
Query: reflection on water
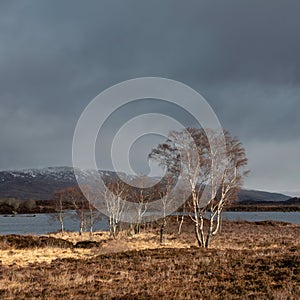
x=45, y=223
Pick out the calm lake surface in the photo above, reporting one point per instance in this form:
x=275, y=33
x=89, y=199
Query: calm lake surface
x=45, y=223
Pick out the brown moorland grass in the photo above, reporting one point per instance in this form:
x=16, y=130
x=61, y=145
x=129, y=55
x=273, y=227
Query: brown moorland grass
x=246, y=261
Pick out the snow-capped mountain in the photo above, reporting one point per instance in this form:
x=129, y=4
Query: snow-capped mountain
x=41, y=184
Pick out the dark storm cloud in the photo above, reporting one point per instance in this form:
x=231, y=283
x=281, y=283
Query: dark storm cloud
x=55, y=56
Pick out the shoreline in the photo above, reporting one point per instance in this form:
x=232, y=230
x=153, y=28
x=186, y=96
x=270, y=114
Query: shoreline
x=233, y=208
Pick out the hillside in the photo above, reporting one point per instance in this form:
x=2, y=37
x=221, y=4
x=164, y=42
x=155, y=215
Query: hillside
x=254, y=195
x=41, y=184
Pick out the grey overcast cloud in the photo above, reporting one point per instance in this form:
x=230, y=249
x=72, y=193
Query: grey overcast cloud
x=242, y=56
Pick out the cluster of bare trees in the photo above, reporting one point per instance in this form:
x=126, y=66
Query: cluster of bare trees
x=214, y=168
x=74, y=199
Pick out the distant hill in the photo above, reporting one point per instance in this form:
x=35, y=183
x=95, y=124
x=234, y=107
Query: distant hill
x=292, y=202
x=38, y=184
x=253, y=195
x=41, y=184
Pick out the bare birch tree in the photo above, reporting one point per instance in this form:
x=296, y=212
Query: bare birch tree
x=164, y=194
x=200, y=176
x=141, y=196
x=59, y=198
x=92, y=214
x=114, y=196
x=80, y=205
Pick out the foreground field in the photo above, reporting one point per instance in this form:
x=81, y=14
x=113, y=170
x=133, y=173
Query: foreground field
x=246, y=261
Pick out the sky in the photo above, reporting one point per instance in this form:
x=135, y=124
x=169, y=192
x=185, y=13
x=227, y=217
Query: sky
x=241, y=56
